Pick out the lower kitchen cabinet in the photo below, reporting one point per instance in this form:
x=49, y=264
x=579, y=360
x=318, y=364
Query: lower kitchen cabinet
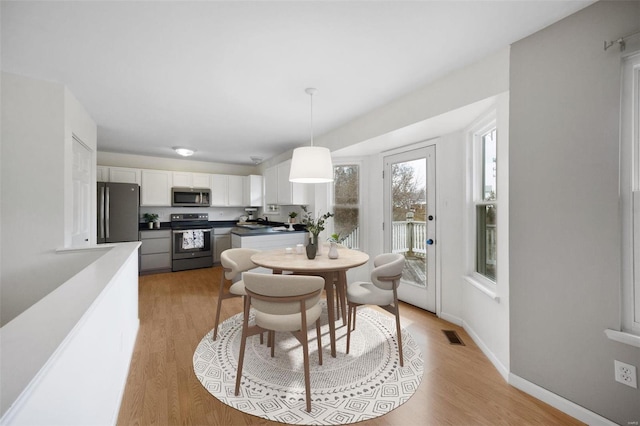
x=155, y=251
x=221, y=242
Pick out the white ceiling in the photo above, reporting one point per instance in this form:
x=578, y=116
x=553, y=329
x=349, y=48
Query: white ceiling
x=228, y=78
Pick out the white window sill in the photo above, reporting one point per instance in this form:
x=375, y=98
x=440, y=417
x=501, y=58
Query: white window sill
x=623, y=337
x=482, y=287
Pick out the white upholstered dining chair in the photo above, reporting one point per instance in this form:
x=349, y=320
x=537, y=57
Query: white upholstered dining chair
x=381, y=291
x=235, y=261
x=282, y=303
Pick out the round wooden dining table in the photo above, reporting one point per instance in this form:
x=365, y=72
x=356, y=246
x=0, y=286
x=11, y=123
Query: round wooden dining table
x=334, y=271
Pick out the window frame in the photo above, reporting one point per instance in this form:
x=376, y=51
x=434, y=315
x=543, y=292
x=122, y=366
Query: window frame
x=475, y=199
x=629, y=332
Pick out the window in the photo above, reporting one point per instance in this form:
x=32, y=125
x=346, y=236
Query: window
x=482, y=205
x=630, y=196
x=485, y=205
x=346, y=204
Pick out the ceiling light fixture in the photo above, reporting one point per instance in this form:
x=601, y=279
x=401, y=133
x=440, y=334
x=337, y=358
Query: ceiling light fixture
x=185, y=152
x=311, y=164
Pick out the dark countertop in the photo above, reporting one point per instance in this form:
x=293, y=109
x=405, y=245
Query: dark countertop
x=164, y=226
x=247, y=232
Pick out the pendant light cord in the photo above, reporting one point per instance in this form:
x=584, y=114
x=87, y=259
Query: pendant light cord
x=311, y=94
x=311, y=91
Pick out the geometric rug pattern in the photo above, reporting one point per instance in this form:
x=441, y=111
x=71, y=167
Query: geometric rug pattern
x=364, y=384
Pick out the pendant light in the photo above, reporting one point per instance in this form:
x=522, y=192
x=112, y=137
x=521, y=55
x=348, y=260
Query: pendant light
x=311, y=164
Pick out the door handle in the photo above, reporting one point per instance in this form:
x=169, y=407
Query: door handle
x=101, y=214
x=430, y=241
x=107, y=214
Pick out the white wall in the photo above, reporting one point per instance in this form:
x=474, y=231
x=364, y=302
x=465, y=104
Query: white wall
x=463, y=87
x=478, y=82
x=486, y=318
x=565, y=214
x=65, y=360
x=36, y=180
x=174, y=164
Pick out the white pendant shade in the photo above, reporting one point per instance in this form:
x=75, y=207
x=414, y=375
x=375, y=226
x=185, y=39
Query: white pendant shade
x=311, y=164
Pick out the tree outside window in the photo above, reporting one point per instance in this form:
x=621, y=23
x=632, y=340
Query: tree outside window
x=346, y=203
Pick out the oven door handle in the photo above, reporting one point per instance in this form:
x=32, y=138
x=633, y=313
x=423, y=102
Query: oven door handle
x=182, y=231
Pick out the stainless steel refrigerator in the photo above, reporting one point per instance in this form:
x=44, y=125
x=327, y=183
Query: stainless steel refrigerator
x=118, y=212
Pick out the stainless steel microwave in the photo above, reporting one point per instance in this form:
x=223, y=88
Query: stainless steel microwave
x=190, y=197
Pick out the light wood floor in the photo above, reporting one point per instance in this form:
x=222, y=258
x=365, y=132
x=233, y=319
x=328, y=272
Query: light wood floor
x=459, y=387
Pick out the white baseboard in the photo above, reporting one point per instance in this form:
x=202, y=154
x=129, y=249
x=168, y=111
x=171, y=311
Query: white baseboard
x=502, y=369
x=556, y=401
x=451, y=318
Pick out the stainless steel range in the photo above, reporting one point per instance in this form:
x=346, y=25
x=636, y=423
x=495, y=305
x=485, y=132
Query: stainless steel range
x=192, y=245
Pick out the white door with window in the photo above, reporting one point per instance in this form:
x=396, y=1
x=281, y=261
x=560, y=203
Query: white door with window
x=82, y=184
x=410, y=222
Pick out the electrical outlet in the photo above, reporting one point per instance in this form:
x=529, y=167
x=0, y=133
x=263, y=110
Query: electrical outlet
x=626, y=374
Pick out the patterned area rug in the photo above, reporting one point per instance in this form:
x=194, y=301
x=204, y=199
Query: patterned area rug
x=365, y=384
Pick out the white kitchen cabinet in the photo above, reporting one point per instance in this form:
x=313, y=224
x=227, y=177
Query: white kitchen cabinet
x=271, y=186
x=227, y=191
x=236, y=190
x=288, y=193
x=124, y=175
x=155, y=189
x=191, y=180
x=117, y=174
x=253, y=191
x=102, y=174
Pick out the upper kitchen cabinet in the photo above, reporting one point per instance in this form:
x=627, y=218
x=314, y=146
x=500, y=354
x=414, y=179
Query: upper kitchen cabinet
x=253, y=191
x=102, y=174
x=278, y=189
x=227, y=191
x=191, y=180
x=290, y=193
x=155, y=189
x=271, y=185
x=117, y=174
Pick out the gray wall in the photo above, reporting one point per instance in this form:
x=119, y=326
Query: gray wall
x=565, y=229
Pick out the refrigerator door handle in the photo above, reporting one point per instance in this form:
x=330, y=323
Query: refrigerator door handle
x=106, y=212
x=101, y=213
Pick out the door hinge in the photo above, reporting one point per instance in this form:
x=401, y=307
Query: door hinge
x=383, y=174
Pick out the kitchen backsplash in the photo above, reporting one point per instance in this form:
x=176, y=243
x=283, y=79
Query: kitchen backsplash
x=224, y=213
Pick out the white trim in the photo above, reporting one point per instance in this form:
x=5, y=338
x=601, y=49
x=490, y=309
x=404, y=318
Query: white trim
x=559, y=402
x=485, y=289
x=629, y=147
x=473, y=198
x=502, y=369
x=623, y=337
x=451, y=318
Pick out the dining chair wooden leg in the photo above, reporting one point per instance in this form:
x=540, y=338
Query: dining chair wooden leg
x=341, y=287
x=220, y=297
x=243, y=343
x=349, y=315
x=396, y=311
x=307, y=373
x=271, y=339
x=319, y=334
x=399, y=332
